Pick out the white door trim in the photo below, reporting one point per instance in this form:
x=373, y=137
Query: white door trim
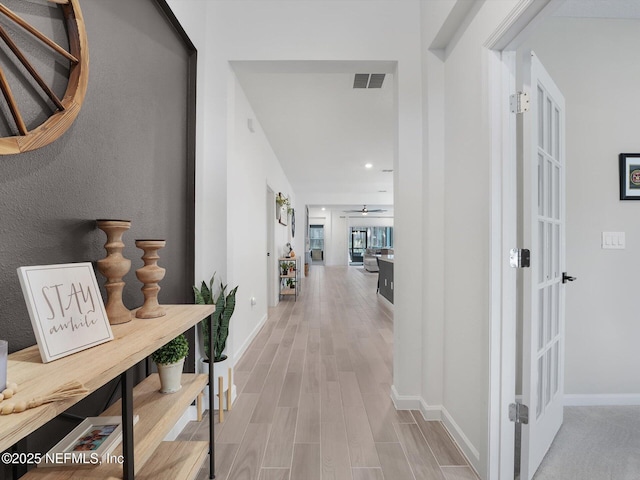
x=273, y=296
x=500, y=48
x=503, y=277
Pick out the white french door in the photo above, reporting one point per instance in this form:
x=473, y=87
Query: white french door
x=543, y=289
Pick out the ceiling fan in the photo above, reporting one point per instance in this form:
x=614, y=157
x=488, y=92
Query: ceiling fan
x=365, y=210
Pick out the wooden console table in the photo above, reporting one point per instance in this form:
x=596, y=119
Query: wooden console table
x=133, y=342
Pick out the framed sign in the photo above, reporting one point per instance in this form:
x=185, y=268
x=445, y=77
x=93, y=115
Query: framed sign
x=630, y=176
x=66, y=309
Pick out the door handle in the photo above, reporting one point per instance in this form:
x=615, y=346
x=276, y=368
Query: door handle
x=566, y=278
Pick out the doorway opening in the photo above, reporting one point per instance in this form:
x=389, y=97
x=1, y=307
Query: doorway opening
x=357, y=245
x=316, y=244
x=594, y=370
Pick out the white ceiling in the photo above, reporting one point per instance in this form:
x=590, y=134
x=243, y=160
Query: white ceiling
x=323, y=130
x=599, y=9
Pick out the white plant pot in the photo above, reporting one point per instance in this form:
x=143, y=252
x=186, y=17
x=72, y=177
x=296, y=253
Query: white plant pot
x=220, y=369
x=170, y=376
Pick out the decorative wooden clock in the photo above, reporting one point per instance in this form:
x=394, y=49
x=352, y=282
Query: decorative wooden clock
x=63, y=111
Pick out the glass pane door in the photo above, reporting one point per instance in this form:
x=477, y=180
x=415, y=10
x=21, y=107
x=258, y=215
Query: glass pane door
x=357, y=245
x=316, y=242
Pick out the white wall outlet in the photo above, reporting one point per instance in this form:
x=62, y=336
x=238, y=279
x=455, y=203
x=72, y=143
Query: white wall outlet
x=613, y=240
x=253, y=301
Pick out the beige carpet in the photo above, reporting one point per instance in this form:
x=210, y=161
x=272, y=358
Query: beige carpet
x=595, y=443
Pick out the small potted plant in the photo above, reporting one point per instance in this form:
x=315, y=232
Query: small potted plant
x=225, y=305
x=170, y=360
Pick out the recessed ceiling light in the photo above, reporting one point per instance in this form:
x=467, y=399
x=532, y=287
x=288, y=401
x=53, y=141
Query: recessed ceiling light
x=323, y=209
x=368, y=165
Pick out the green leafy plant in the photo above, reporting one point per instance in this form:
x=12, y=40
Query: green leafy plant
x=281, y=200
x=173, y=351
x=225, y=305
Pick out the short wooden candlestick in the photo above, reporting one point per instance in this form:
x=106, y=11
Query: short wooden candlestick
x=150, y=275
x=114, y=266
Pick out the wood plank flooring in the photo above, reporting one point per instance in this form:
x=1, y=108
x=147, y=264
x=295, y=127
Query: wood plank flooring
x=314, y=402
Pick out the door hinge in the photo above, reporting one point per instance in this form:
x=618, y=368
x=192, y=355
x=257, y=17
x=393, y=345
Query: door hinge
x=519, y=413
x=519, y=102
x=519, y=258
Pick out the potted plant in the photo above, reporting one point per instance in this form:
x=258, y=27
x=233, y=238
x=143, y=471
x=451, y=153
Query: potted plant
x=225, y=305
x=282, y=201
x=170, y=360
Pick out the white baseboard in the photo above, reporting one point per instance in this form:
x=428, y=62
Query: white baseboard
x=431, y=412
x=405, y=402
x=592, y=400
x=188, y=416
x=243, y=348
x=415, y=402
x=461, y=439
x=439, y=413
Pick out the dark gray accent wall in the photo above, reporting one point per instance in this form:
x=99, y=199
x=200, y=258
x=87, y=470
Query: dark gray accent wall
x=124, y=157
x=129, y=155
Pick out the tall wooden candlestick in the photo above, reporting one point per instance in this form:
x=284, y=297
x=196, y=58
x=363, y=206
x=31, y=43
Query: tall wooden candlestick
x=150, y=275
x=114, y=266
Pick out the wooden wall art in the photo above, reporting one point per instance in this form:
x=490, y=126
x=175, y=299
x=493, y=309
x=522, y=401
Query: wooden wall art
x=65, y=109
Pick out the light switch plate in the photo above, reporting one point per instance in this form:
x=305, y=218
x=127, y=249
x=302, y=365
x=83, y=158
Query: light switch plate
x=613, y=240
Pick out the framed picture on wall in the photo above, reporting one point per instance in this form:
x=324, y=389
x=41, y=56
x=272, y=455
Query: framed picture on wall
x=630, y=176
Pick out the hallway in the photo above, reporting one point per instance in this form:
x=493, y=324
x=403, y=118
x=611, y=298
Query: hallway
x=313, y=395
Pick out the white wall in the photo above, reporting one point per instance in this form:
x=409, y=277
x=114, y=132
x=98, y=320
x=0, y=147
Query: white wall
x=211, y=166
x=383, y=31
x=460, y=158
x=441, y=359
x=233, y=169
x=593, y=63
x=252, y=167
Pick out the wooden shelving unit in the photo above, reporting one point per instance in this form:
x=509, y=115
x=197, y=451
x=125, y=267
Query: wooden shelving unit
x=94, y=367
x=293, y=277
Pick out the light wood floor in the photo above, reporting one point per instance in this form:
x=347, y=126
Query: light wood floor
x=314, y=398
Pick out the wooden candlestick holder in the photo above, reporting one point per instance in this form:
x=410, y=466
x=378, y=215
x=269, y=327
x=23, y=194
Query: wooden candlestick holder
x=114, y=266
x=150, y=275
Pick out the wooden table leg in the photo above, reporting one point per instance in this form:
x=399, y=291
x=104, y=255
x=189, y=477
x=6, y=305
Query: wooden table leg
x=220, y=399
x=229, y=390
x=199, y=406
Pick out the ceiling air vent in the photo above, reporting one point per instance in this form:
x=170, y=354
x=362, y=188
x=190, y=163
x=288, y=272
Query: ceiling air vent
x=361, y=80
x=366, y=80
x=376, y=79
